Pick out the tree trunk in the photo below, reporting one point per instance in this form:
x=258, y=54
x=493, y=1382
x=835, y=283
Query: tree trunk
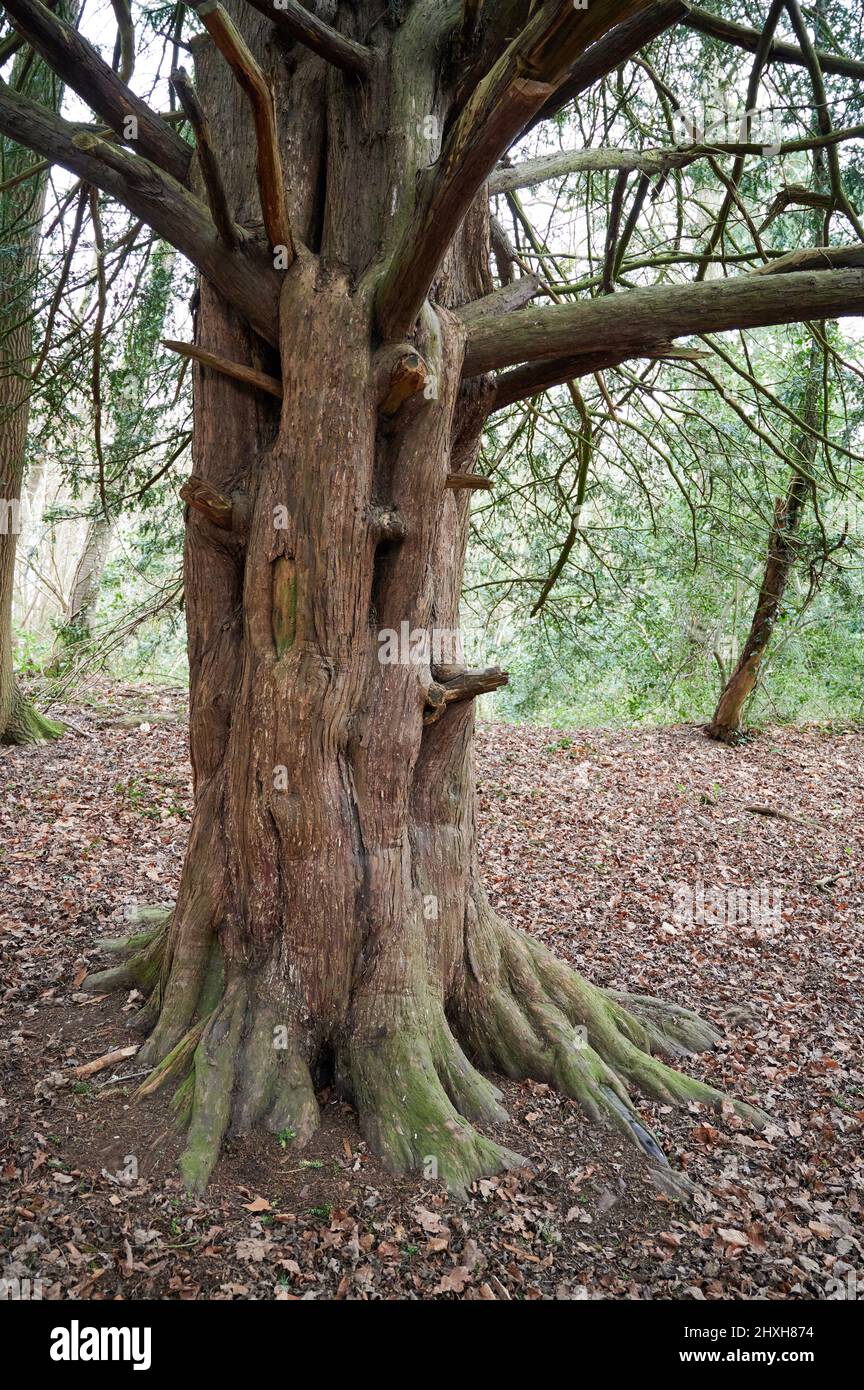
x=331, y=923
x=727, y=725
x=78, y=620
x=21, y=209
x=131, y=426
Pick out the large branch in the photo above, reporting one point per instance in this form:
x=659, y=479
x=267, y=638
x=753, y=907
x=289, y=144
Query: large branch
x=816, y=258
x=245, y=278
x=514, y=295
x=613, y=49
x=632, y=321
x=298, y=23
x=521, y=383
x=554, y=166
x=779, y=52
x=81, y=68
x=530, y=70
x=241, y=60
x=508, y=178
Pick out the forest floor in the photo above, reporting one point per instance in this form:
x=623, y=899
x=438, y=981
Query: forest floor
x=596, y=842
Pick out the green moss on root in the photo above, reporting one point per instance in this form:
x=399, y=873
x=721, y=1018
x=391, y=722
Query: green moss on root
x=26, y=725
x=215, y=1061
x=142, y=968
x=410, y=1122
x=529, y=1015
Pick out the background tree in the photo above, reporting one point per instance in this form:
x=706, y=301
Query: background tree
x=783, y=541
x=331, y=919
x=22, y=204
x=726, y=724
x=132, y=421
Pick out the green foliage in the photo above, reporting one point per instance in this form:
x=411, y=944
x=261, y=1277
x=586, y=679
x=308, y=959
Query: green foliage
x=659, y=590
x=653, y=594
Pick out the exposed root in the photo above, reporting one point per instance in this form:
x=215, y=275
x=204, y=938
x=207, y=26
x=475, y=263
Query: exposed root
x=671, y=1029
x=413, y=1089
x=26, y=725
x=410, y=1121
x=181, y=1101
x=247, y=1071
x=177, y=1063
x=215, y=1061
x=734, y=736
x=528, y=1015
x=417, y=1095
x=473, y=1094
x=144, y=953
x=520, y=1011
x=236, y=1065
x=273, y=1087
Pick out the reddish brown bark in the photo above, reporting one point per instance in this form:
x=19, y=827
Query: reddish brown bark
x=331, y=921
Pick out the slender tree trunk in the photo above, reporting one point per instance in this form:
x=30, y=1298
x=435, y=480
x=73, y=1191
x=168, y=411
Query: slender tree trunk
x=21, y=209
x=727, y=725
x=78, y=620
x=131, y=426
x=331, y=922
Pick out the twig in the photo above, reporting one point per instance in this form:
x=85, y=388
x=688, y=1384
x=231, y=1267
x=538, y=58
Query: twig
x=107, y=1060
x=760, y=809
x=831, y=878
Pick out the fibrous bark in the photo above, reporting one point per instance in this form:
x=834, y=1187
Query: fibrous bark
x=331, y=923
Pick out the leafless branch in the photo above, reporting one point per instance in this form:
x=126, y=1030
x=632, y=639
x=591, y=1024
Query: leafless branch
x=271, y=183
x=81, y=68
x=209, y=165
x=528, y=73
x=247, y=280
x=743, y=37
x=630, y=323
x=300, y=24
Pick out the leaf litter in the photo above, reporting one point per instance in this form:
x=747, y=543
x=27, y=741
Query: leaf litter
x=589, y=840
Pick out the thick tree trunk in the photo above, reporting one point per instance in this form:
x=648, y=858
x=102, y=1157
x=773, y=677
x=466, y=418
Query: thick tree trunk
x=727, y=725
x=331, y=921
x=21, y=211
